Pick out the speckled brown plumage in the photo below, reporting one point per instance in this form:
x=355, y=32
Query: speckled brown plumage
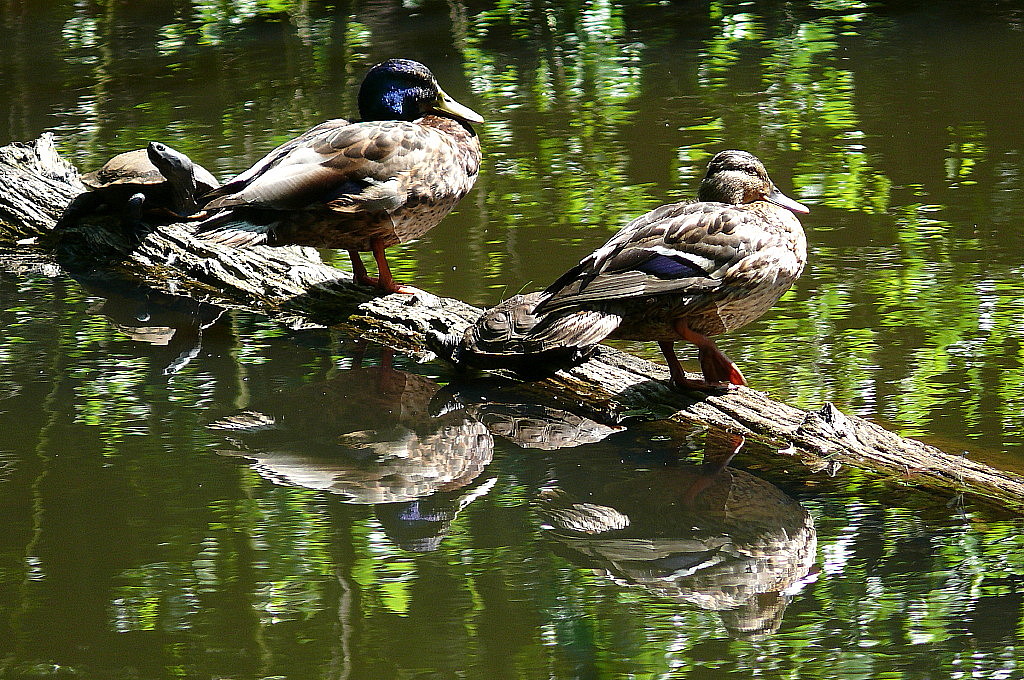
x=370, y=180
x=682, y=271
x=742, y=259
x=360, y=186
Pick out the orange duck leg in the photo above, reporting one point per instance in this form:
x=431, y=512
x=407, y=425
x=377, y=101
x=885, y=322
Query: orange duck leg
x=384, y=280
x=719, y=370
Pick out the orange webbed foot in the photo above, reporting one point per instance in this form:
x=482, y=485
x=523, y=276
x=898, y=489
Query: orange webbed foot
x=389, y=286
x=704, y=385
x=717, y=367
x=680, y=379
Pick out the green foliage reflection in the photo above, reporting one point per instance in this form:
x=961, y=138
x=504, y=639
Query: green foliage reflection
x=125, y=532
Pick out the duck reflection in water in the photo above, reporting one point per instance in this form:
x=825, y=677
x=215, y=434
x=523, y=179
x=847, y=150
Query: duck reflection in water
x=367, y=436
x=711, y=535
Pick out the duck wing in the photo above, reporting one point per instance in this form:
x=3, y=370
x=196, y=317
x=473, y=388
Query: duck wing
x=369, y=166
x=310, y=137
x=684, y=249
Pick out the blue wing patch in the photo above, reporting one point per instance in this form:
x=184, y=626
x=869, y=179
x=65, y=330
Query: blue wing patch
x=668, y=267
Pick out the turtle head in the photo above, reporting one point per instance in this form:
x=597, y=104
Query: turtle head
x=179, y=171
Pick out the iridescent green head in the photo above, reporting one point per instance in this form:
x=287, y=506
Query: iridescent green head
x=402, y=89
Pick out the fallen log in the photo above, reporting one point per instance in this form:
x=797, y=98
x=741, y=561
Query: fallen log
x=294, y=286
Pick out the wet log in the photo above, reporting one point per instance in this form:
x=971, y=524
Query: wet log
x=295, y=286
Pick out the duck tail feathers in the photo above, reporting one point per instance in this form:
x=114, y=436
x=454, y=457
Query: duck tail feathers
x=227, y=229
x=580, y=328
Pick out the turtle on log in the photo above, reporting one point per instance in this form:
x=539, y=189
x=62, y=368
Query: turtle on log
x=157, y=179
x=500, y=338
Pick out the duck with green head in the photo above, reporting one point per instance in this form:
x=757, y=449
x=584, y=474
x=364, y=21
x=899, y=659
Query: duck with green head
x=361, y=186
x=684, y=271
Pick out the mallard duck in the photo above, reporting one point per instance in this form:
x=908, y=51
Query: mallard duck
x=360, y=186
x=685, y=271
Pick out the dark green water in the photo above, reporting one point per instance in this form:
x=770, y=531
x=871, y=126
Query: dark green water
x=390, y=526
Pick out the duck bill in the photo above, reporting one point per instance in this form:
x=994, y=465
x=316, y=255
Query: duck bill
x=445, y=104
x=782, y=200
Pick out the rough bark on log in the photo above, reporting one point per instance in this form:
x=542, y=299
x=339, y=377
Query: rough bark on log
x=37, y=185
x=293, y=284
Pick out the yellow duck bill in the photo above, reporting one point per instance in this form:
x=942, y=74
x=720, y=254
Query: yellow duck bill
x=445, y=104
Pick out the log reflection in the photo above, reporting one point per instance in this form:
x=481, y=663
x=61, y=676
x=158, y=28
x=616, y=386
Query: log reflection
x=522, y=417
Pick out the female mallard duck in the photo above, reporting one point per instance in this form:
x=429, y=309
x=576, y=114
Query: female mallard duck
x=359, y=186
x=682, y=271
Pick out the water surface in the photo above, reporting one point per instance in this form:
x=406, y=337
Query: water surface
x=190, y=492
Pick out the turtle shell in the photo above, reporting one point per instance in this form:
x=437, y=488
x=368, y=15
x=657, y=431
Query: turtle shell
x=129, y=168
x=501, y=338
x=502, y=329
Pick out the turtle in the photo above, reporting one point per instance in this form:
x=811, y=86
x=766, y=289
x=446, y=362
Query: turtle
x=500, y=338
x=156, y=177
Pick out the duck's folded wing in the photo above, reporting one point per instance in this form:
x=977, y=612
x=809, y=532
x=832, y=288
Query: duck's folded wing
x=360, y=166
x=684, y=248
x=308, y=138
